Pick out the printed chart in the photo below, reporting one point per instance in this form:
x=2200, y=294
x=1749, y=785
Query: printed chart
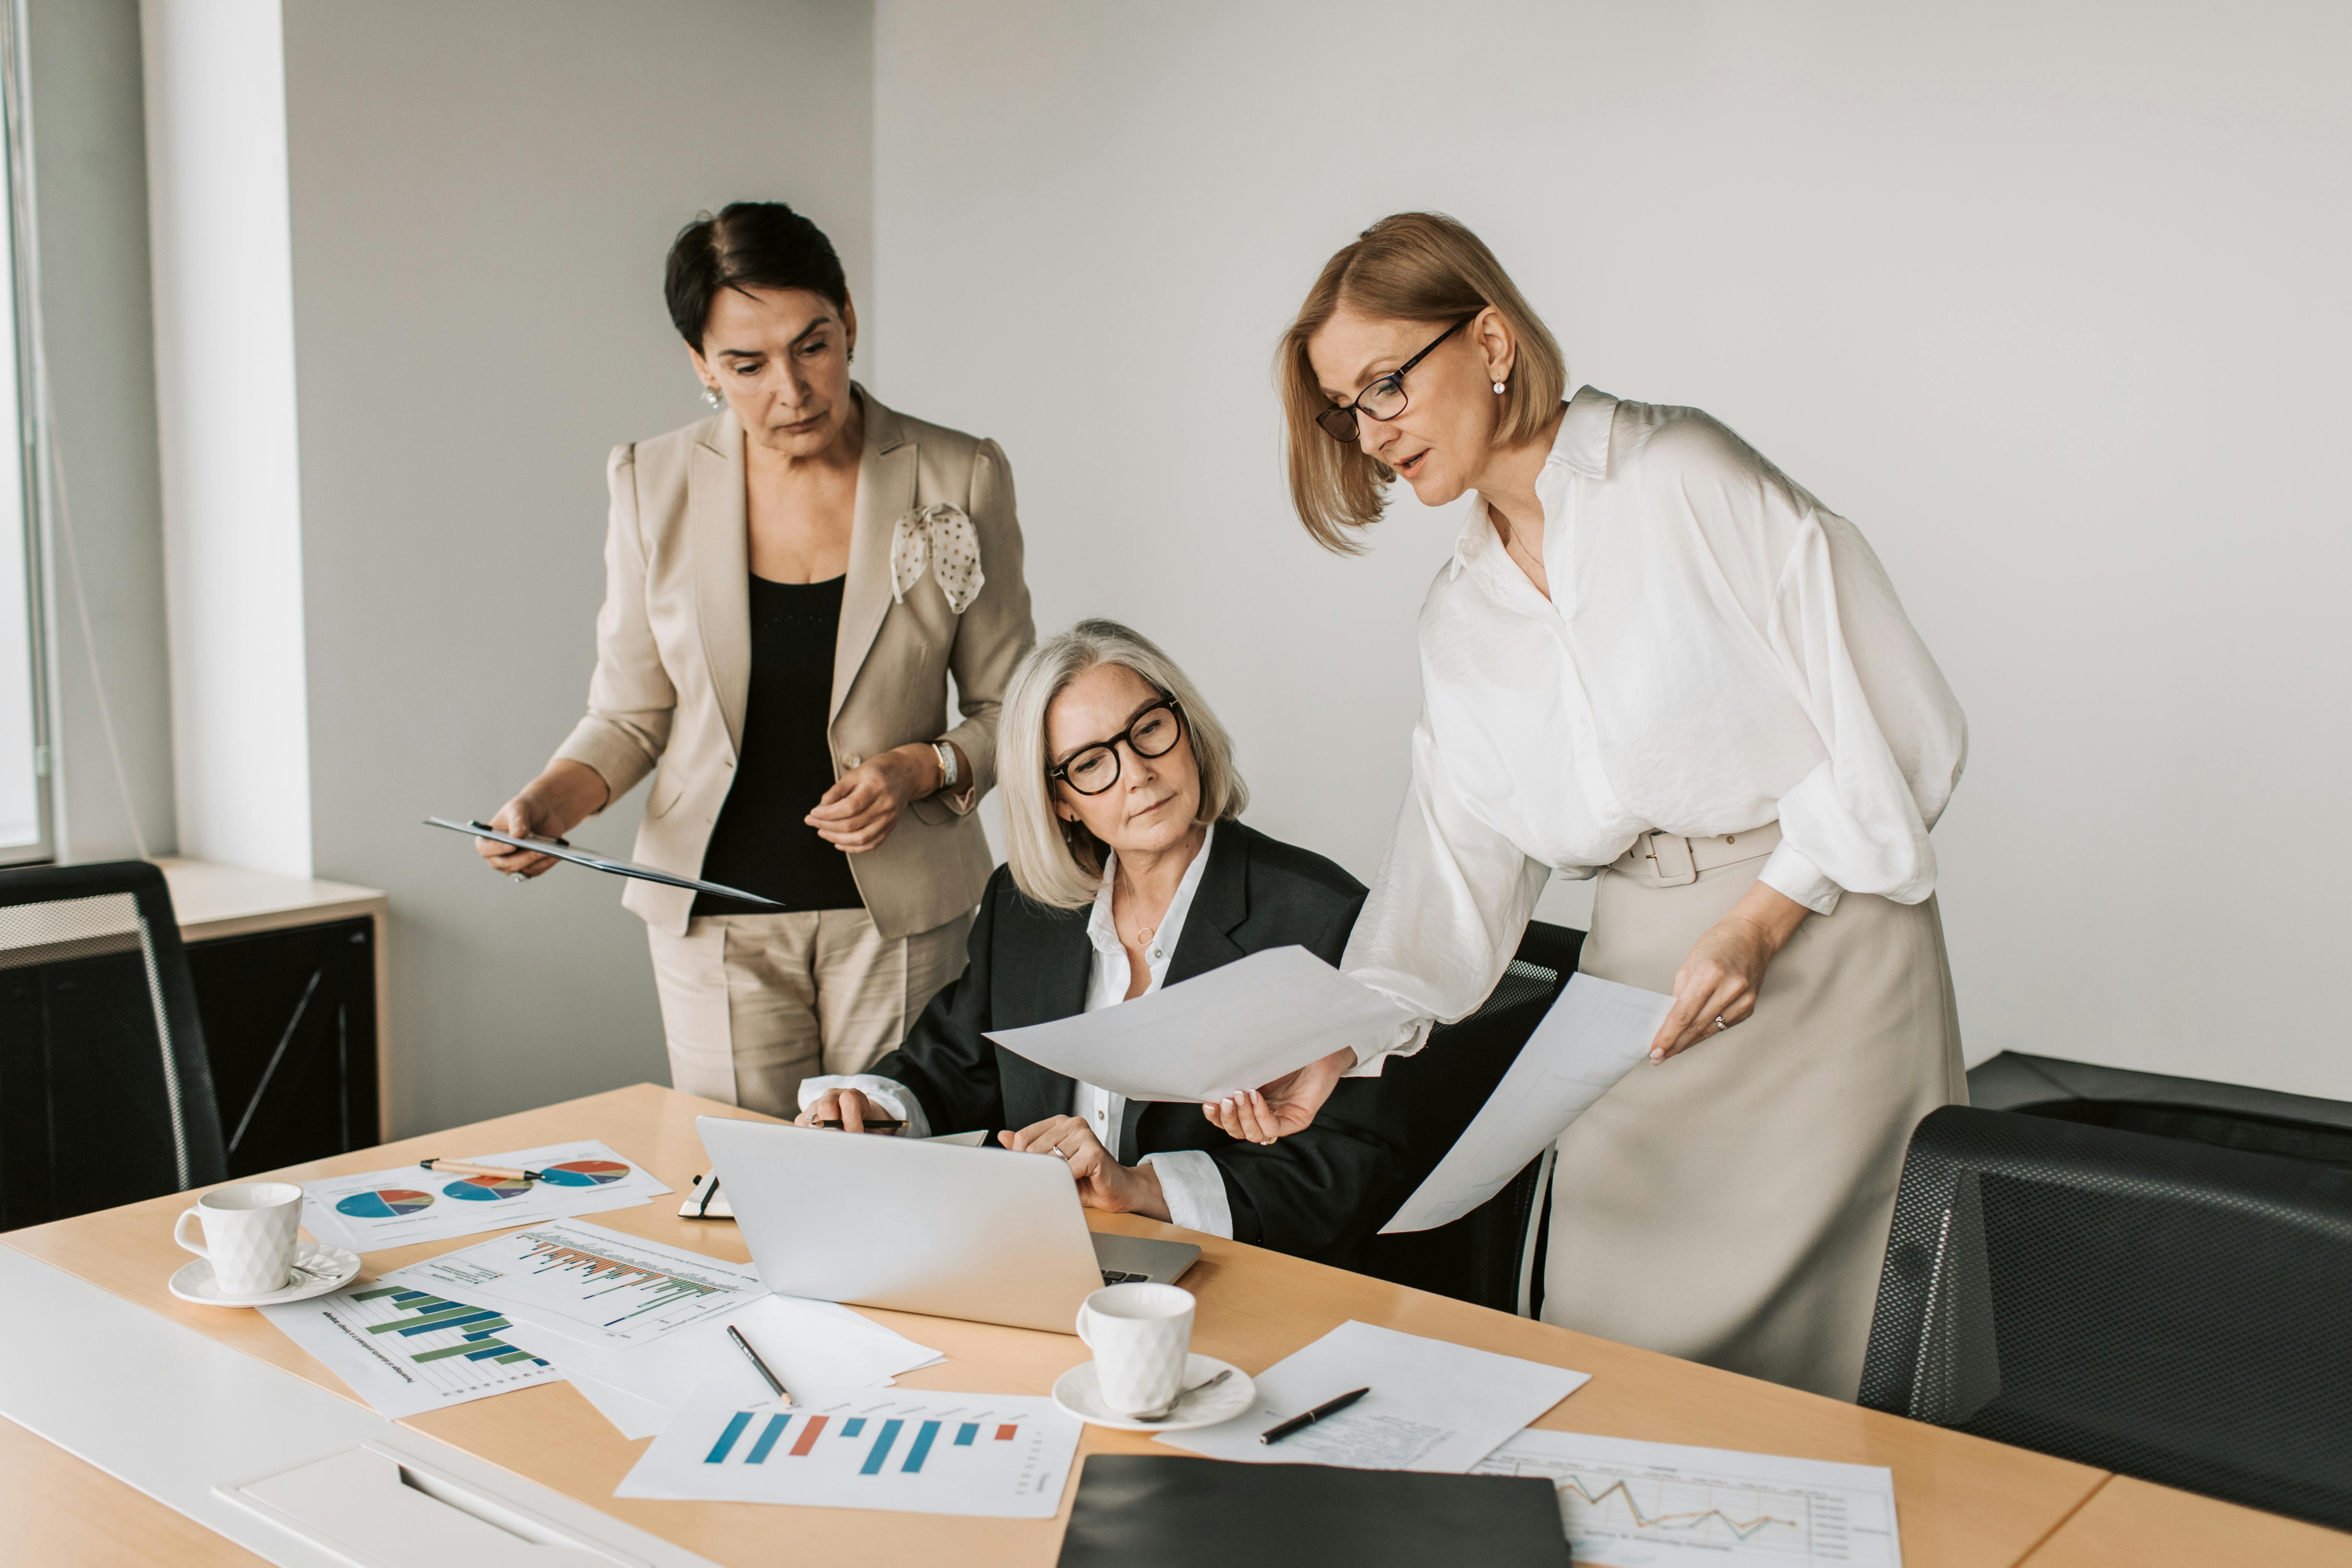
x=407, y=1350
x=410, y=1204
x=1661, y=1505
x=592, y=1284
x=999, y=1455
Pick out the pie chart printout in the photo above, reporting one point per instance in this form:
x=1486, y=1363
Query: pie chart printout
x=384, y=1203
x=487, y=1189
x=585, y=1173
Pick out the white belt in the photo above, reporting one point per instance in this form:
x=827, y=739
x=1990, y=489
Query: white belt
x=1672, y=860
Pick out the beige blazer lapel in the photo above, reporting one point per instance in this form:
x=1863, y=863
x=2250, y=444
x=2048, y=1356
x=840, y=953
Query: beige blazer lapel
x=886, y=492
x=718, y=533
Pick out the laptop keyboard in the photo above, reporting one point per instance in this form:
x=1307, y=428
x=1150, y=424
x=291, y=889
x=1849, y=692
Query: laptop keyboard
x=1113, y=1276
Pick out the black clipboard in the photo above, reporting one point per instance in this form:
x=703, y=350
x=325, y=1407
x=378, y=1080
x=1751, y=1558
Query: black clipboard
x=561, y=850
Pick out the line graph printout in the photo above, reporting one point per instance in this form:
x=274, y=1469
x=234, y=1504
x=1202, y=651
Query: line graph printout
x=1661, y=1505
x=904, y=1450
x=410, y=1204
x=407, y=1350
x=591, y=1284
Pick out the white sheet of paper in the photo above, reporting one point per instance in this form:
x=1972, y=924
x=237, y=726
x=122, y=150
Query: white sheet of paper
x=1595, y=1035
x=1661, y=1505
x=405, y=1347
x=903, y=1450
x=805, y=1343
x=630, y=1417
x=1433, y=1406
x=587, y=1282
x=1235, y=1028
x=410, y=1204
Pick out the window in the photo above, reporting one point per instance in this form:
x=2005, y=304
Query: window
x=24, y=752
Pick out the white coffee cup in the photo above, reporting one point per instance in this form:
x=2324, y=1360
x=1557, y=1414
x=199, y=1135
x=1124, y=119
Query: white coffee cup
x=1140, y=1335
x=248, y=1235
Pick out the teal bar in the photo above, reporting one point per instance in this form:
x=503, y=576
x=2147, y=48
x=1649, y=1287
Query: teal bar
x=735, y=1424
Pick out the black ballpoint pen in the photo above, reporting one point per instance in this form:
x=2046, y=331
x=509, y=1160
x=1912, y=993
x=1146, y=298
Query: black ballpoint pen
x=1300, y=1423
x=745, y=1346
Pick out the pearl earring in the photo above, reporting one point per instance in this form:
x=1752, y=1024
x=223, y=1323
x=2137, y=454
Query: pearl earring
x=1498, y=389
x=710, y=395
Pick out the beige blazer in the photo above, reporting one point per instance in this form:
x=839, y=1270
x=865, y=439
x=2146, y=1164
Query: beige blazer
x=674, y=654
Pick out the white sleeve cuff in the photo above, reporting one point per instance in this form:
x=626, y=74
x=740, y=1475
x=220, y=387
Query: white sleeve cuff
x=1787, y=870
x=1408, y=1038
x=1195, y=1189
x=889, y=1093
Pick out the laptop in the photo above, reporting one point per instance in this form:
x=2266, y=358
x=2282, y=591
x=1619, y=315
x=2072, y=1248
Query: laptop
x=951, y=1230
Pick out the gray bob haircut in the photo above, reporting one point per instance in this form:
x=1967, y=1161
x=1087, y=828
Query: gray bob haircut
x=1064, y=869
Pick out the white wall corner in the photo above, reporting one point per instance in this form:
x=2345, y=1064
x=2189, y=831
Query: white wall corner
x=218, y=208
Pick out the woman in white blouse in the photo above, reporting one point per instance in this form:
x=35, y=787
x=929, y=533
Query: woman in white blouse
x=1128, y=869
x=1651, y=658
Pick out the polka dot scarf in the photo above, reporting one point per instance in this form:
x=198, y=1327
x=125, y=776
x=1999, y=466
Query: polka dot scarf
x=941, y=538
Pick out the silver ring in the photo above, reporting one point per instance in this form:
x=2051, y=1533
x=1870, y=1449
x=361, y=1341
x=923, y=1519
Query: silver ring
x=1722, y=1023
x=517, y=877
x=1063, y=1156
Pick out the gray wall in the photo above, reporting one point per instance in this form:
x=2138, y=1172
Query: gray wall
x=2047, y=299
x=89, y=179
x=482, y=197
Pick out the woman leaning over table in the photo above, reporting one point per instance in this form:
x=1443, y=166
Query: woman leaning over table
x=1651, y=658
x=1126, y=869
x=789, y=583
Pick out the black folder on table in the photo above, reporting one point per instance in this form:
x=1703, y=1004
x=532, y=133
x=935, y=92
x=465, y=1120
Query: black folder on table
x=1146, y=1510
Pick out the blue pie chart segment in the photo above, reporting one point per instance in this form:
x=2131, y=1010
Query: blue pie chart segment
x=384, y=1203
x=585, y=1173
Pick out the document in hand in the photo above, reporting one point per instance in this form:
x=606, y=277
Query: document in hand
x=1433, y=1406
x=1237, y=1027
x=1595, y=1035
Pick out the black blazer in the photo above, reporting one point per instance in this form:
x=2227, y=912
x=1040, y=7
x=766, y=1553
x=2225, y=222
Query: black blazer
x=1317, y=1193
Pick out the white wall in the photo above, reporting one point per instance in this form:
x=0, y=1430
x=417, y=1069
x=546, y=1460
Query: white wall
x=225, y=395
x=2049, y=300
x=481, y=199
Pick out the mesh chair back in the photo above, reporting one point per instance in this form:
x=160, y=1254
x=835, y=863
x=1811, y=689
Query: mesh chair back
x=1490, y=1255
x=105, y=1094
x=2160, y=1309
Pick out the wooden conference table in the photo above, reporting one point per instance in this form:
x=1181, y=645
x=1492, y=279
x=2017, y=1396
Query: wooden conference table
x=1962, y=1502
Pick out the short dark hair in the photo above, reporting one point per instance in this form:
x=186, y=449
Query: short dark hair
x=749, y=245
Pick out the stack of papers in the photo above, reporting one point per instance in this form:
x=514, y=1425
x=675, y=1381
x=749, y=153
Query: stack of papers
x=410, y=1204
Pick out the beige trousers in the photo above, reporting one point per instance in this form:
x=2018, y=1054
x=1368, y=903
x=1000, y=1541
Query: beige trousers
x=754, y=1003
x=1730, y=1205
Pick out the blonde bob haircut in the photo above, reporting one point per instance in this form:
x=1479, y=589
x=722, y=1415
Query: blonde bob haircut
x=1061, y=864
x=1411, y=267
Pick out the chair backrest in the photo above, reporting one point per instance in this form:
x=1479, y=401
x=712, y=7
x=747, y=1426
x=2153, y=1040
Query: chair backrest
x=106, y=1096
x=2161, y=1309
x=1485, y=1256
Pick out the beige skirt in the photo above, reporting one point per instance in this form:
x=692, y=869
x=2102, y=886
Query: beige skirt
x=1730, y=1205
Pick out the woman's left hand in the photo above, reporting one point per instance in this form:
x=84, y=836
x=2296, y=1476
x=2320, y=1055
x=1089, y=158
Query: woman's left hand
x=1103, y=1183
x=858, y=811
x=1718, y=983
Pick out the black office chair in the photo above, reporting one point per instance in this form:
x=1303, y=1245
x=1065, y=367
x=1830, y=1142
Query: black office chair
x=106, y=1096
x=2157, y=1307
x=1493, y=1256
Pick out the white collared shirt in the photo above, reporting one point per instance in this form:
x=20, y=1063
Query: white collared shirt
x=1719, y=651
x=1188, y=1177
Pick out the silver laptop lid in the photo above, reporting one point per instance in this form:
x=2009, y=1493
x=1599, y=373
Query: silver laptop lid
x=955, y=1231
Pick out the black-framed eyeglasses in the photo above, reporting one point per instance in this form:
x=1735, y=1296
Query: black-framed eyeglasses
x=1384, y=399
x=1090, y=770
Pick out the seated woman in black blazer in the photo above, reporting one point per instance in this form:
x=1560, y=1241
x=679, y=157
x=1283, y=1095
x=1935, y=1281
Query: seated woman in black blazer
x=1127, y=870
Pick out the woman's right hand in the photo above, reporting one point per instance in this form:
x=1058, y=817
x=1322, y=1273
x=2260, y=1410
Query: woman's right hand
x=1285, y=1106
x=559, y=800
x=848, y=1106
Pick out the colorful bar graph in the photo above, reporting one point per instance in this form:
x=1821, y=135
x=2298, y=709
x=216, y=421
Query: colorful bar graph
x=881, y=1450
x=966, y=1433
x=735, y=1425
x=443, y=1321
x=807, y=1439
x=776, y=1429
x=922, y=1448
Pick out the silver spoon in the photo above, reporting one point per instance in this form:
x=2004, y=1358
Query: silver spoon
x=1170, y=1409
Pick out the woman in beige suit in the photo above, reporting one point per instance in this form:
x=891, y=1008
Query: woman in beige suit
x=789, y=584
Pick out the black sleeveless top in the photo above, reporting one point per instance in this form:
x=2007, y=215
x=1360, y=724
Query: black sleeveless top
x=759, y=844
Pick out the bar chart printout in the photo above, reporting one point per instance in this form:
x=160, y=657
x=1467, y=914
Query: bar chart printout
x=591, y=1284
x=407, y=1350
x=915, y=1451
x=1661, y=1505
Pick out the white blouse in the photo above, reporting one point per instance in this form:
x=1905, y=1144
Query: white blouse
x=1189, y=1179
x=1719, y=651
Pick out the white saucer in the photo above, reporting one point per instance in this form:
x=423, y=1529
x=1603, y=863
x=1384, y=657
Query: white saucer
x=333, y=1267
x=1079, y=1392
